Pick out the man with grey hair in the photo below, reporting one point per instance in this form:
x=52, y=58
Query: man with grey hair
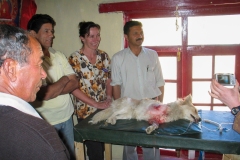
x=24, y=134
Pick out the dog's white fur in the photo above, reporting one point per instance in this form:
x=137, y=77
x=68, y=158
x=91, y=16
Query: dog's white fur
x=149, y=110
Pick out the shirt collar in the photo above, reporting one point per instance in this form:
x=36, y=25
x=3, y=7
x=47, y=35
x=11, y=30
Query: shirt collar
x=51, y=52
x=18, y=103
x=142, y=52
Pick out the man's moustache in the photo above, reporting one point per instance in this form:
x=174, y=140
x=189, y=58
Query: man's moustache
x=139, y=39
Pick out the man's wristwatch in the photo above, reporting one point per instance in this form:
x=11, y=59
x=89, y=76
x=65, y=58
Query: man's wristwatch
x=235, y=110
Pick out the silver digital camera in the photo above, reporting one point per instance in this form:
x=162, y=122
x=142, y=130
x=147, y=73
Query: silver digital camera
x=225, y=79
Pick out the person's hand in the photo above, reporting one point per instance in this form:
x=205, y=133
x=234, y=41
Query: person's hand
x=109, y=99
x=228, y=96
x=103, y=105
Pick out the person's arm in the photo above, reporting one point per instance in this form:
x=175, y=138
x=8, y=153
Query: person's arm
x=64, y=85
x=116, y=92
x=69, y=72
x=236, y=124
x=109, y=90
x=52, y=90
x=160, y=97
x=84, y=98
x=71, y=85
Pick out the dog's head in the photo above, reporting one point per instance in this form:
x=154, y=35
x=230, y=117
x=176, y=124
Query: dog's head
x=188, y=110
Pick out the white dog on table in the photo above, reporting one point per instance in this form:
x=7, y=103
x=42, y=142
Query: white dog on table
x=148, y=110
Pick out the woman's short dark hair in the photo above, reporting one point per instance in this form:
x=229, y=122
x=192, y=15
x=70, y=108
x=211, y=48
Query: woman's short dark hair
x=84, y=28
x=36, y=22
x=130, y=24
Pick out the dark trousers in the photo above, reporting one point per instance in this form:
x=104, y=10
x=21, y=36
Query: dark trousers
x=95, y=150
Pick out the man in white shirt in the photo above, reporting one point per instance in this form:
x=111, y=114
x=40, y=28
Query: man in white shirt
x=137, y=74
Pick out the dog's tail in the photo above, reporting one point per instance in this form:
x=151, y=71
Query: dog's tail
x=102, y=115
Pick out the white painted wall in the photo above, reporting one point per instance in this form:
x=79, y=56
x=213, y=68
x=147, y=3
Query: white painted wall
x=68, y=14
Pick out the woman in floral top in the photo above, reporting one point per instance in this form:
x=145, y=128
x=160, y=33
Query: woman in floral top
x=92, y=67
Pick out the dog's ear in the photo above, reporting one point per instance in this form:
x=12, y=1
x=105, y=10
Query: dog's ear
x=188, y=99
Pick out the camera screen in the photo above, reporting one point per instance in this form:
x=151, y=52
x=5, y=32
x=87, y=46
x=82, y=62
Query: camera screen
x=223, y=79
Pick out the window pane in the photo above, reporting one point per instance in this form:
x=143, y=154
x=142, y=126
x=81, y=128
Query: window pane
x=202, y=67
x=169, y=72
x=170, y=93
x=200, y=92
x=225, y=64
x=216, y=101
x=203, y=107
x=214, y=30
x=161, y=31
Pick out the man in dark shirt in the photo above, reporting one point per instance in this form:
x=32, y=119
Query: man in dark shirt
x=24, y=134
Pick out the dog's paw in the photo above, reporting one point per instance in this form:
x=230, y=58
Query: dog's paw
x=105, y=124
x=112, y=121
x=92, y=121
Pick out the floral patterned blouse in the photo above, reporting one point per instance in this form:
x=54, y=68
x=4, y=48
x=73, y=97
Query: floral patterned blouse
x=92, y=80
